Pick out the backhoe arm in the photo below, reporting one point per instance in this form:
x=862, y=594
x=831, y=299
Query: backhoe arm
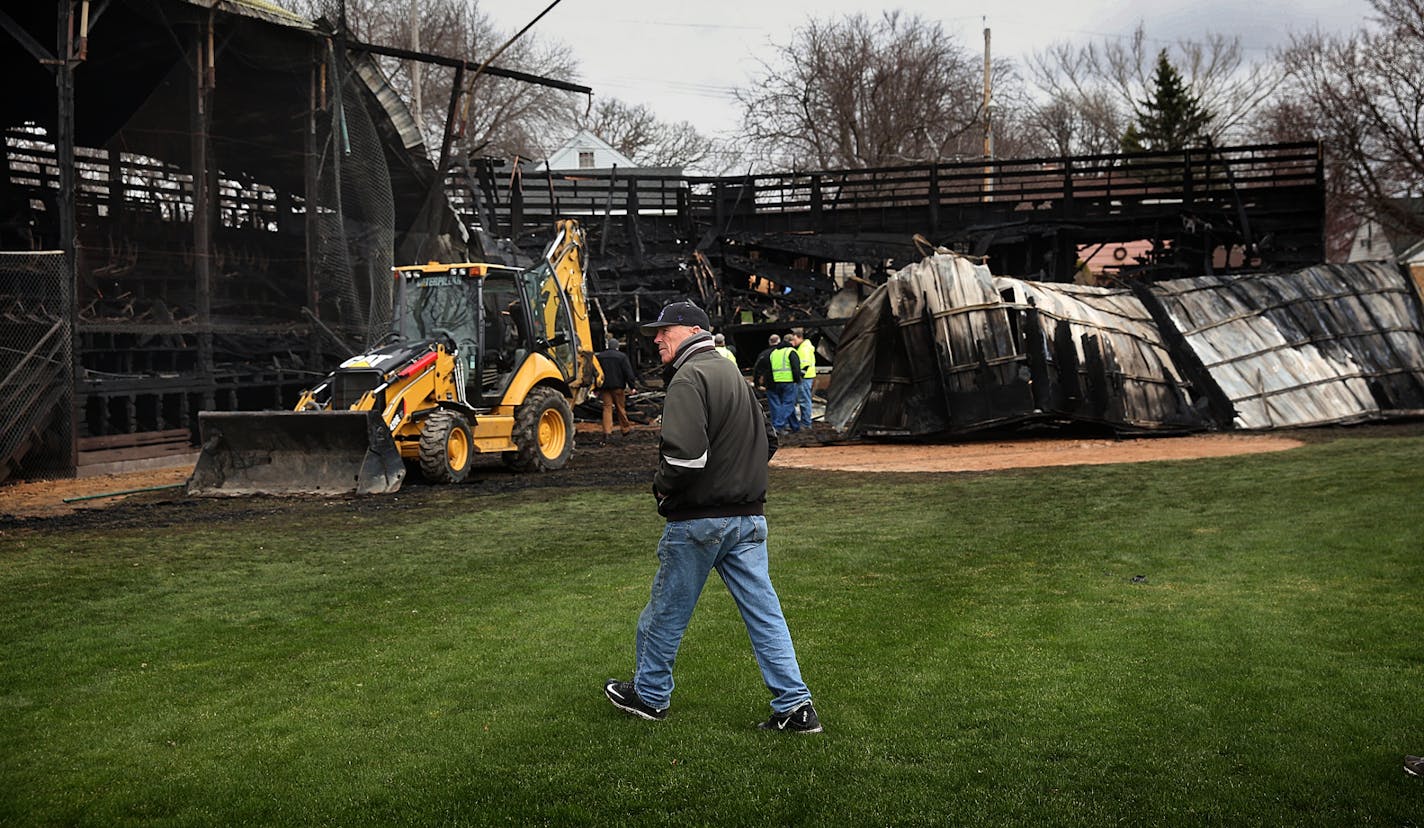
x=567, y=255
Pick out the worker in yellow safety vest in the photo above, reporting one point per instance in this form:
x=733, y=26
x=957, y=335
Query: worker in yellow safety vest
x=806, y=352
x=719, y=344
x=781, y=394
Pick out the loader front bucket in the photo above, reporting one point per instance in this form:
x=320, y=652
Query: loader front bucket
x=295, y=452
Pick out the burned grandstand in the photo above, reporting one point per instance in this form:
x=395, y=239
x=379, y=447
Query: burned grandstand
x=203, y=199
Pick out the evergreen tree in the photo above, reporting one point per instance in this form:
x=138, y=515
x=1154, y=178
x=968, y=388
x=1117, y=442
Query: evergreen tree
x=1171, y=119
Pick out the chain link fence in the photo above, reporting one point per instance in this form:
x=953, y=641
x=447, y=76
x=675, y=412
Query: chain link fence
x=36, y=366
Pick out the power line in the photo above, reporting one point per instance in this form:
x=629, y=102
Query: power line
x=693, y=25
x=679, y=87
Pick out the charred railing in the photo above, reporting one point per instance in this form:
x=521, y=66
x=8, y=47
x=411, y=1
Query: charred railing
x=1272, y=185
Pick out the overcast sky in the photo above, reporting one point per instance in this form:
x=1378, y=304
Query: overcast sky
x=684, y=59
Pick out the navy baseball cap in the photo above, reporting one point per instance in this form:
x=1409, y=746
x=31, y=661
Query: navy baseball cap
x=678, y=313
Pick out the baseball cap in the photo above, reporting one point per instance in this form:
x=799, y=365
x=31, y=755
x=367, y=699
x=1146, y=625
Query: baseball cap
x=678, y=313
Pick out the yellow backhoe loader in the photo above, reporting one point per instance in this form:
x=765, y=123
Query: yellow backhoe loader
x=482, y=359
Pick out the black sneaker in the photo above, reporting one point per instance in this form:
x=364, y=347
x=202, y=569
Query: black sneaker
x=1414, y=765
x=625, y=698
x=801, y=720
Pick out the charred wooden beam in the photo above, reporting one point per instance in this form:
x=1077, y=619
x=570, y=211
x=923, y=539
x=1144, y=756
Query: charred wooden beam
x=833, y=247
x=783, y=276
x=441, y=60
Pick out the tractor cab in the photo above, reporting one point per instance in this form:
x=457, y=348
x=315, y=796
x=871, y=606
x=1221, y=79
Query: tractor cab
x=482, y=311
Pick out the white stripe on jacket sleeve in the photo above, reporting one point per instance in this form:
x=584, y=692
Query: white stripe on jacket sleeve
x=694, y=463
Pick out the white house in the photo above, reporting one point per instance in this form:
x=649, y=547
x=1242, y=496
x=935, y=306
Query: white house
x=1372, y=243
x=1375, y=241
x=586, y=151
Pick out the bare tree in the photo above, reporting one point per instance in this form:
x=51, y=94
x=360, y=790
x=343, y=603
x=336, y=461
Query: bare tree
x=505, y=117
x=862, y=92
x=1091, y=125
x=1092, y=91
x=635, y=131
x=513, y=118
x=626, y=127
x=1365, y=92
x=1291, y=117
x=1083, y=111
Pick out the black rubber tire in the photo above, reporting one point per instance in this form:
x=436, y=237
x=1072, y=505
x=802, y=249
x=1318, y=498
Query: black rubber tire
x=447, y=448
x=544, y=416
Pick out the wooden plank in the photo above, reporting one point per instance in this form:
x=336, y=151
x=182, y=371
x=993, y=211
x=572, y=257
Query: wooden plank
x=141, y=438
x=94, y=458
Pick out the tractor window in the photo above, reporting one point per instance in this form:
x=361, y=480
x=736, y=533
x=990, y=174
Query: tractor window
x=442, y=303
x=506, y=340
x=551, y=316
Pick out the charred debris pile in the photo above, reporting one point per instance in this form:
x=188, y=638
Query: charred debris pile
x=945, y=347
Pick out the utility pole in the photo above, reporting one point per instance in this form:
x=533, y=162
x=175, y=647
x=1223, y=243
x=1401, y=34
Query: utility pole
x=988, y=108
x=415, y=67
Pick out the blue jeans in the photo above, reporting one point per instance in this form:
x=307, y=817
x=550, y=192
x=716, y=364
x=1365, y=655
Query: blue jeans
x=688, y=551
x=802, y=416
x=781, y=398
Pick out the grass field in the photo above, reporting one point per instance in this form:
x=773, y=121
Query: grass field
x=1228, y=642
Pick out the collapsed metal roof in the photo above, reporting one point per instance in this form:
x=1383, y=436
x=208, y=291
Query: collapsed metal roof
x=257, y=9
x=944, y=347
x=1328, y=344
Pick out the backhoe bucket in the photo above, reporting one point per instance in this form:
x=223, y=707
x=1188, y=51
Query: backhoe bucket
x=295, y=452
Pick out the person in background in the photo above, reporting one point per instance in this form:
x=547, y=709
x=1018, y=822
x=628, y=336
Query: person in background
x=618, y=380
x=781, y=394
x=711, y=486
x=806, y=352
x=761, y=369
x=719, y=343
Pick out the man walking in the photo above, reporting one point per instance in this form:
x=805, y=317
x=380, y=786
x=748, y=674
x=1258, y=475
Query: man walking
x=613, y=391
x=806, y=352
x=711, y=487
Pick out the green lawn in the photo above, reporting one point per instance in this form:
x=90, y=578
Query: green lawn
x=980, y=648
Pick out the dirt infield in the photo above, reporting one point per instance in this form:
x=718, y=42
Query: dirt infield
x=1024, y=453
x=631, y=461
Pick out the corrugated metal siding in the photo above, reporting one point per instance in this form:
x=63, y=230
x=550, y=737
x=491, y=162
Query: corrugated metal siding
x=946, y=347
x=259, y=10
x=389, y=100
x=943, y=347
x=1329, y=344
x=959, y=337
x=1146, y=389
x=867, y=393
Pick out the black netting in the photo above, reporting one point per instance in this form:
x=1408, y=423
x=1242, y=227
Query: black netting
x=355, y=227
x=36, y=366
x=296, y=154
